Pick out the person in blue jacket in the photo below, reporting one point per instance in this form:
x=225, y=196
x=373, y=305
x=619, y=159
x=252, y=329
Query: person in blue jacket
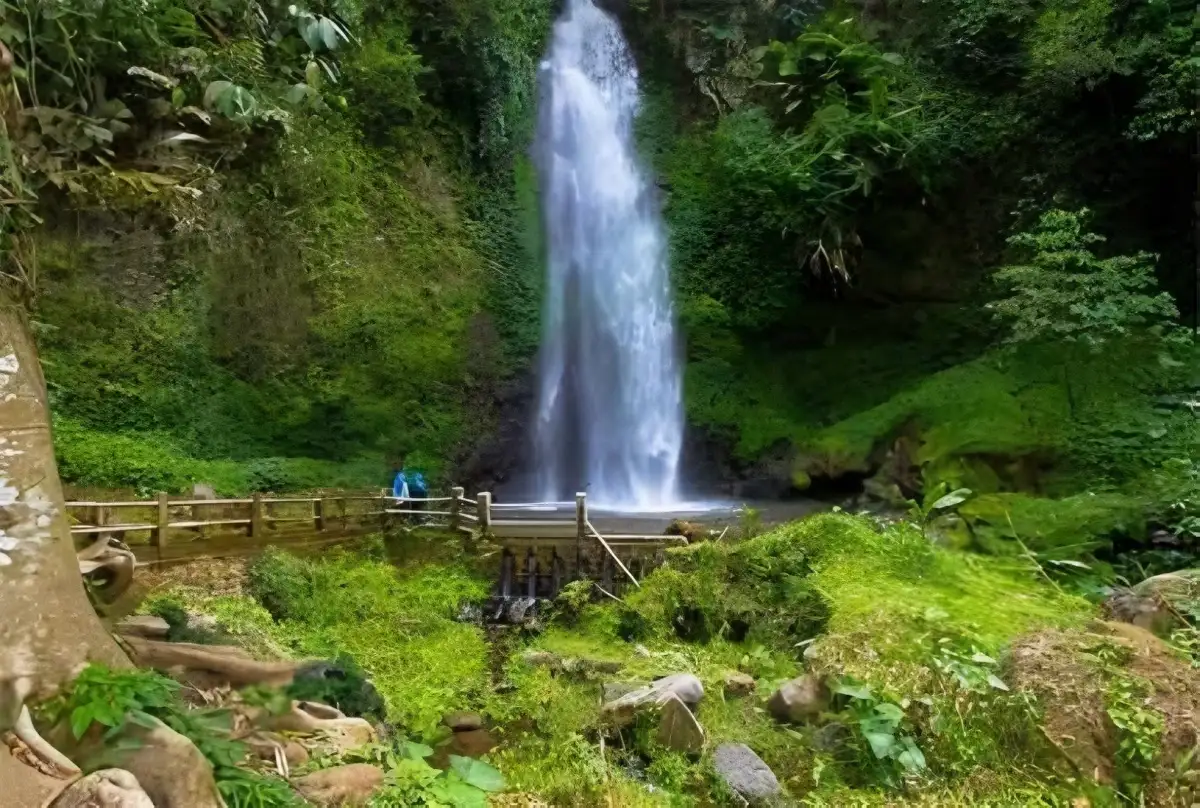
x=410, y=484
x=400, y=485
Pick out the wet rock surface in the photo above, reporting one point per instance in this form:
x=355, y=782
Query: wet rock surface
x=350, y=785
x=746, y=773
x=800, y=701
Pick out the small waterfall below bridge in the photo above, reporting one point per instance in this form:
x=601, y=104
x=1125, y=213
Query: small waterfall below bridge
x=610, y=419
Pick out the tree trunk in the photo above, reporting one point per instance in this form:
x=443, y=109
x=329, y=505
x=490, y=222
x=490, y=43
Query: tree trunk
x=48, y=628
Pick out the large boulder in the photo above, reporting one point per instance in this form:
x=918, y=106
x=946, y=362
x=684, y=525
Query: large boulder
x=341, y=786
x=682, y=686
x=1157, y=603
x=800, y=701
x=107, y=788
x=745, y=773
x=167, y=765
x=147, y=626
x=678, y=729
x=463, y=722
x=739, y=684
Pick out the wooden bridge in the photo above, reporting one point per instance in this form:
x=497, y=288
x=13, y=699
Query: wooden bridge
x=540, y=548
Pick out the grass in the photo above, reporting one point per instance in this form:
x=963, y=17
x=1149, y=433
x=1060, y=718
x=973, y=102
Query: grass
x=833, y=594
x=894, y=607
x=398, y=626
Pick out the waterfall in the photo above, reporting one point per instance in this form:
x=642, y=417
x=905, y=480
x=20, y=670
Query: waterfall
x=610, y=412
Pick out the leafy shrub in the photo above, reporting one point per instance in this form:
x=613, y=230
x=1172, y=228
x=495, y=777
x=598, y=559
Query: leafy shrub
x=117, y=699
x=111, y=699
x=410, y=781
x=398, y=626
x=342, y=684
x=278, y=581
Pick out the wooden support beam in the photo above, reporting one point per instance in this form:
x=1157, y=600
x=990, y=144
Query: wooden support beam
x=319, y=511
x=484, y=505
x=456, y=495
x=257, y=523
x=161, y=532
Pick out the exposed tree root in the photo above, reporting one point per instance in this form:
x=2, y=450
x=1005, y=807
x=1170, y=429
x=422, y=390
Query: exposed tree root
x=28, y=734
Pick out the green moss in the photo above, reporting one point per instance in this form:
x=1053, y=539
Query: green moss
x=1058, y=528
x=398, y=626
x=976, y=408
x=885, y=586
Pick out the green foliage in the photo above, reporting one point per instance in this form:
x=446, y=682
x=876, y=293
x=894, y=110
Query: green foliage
x=1057, y=528
x=398, y=626
x=1067, y=293
x=243, y=789
x=111, y=698
x=119, y=700
x=345, y=687
x=858, y=115
x=879, y=722
x=411, y=781
x=1139, y=731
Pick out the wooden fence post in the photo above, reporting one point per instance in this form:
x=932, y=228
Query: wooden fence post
x=484, y=504
x=256, y=517
x=164, y=522
x=319, y=513
x=456, y=495
x=581, y=518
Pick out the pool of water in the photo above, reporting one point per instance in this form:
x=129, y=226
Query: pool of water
x=714, y=513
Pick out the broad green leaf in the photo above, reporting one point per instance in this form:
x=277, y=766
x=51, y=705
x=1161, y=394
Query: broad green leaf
x=477, y=773
x=854, y=691
x=995, y=682
x=953, y=498
x=912, y=758
x=890, y=712
x=415, y=751
x=81, y=719
x=296, y=93
x=329, y=33
x=452, y=790
x=881, y=743
x=787, y=66
x=214, y=91
x=978, y=656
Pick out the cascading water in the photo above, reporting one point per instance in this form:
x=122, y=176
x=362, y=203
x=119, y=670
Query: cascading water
x=610, y=417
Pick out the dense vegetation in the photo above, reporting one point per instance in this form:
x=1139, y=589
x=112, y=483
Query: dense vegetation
x=265, y=235
x=954, y=678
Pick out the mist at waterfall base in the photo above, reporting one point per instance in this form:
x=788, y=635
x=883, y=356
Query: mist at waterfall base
x=610, y=411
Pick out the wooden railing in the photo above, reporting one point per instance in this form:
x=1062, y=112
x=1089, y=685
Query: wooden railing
x=164, y=529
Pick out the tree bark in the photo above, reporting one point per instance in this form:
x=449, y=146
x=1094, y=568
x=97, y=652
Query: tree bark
x=48, y=628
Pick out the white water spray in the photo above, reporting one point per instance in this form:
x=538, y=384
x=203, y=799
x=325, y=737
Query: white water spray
x=610, y=414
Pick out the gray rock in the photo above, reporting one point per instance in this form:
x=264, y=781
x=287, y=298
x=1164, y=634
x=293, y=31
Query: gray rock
x=203, y=622
x=542, y=659
x=800, y=701
x=203, y=491
x=739, y=684
x=144, y=625
x=682, y=686
x=611, y=691
x=470, y=613
x=463, y=722
x=744, y=772
x=678, y=729
x=108, y=788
